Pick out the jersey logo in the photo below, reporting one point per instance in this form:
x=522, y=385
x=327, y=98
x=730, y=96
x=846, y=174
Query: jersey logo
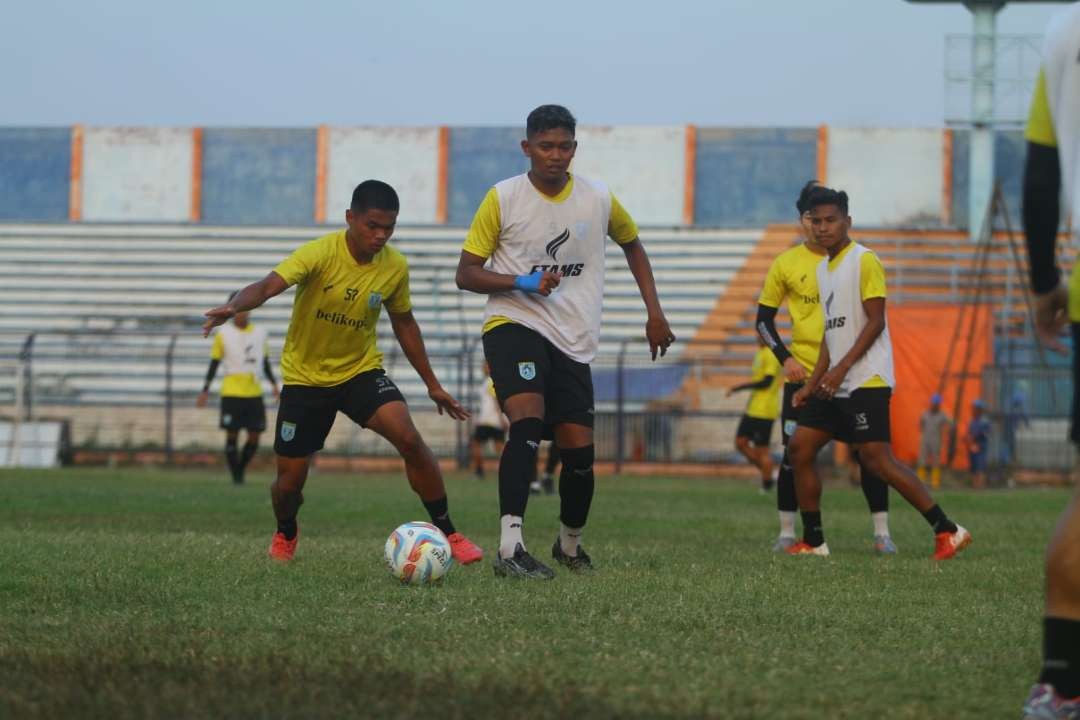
x=527, y=370
x=288, y=431
x=558, y=242
x=861, y=423
x=828, y=303
x=350, y=294
x=374, y=300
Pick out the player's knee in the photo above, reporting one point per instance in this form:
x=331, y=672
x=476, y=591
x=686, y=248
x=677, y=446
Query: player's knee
x=411, y=443
x=800, y=451
x=876, y=460
x=742, y=443
x=578, y=461
x=527, y=433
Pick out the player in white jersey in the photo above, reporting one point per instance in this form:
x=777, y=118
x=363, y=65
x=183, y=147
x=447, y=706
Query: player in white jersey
x=488, y=423
x=1053, y=165
x=847, y=396
x=544, y=235
x=242, y=348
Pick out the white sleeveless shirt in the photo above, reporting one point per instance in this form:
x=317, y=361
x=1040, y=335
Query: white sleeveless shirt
x=841, y=297
x=1061, y=65
x=566, y=237
x=244, y=351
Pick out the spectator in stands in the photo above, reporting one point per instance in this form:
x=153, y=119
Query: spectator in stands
x=242, y=348
x=1015, y=417
x=978, y=441
x=490, y=423
x=932, y=424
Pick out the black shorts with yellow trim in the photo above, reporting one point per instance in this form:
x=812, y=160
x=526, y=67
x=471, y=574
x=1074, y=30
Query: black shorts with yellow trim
x=524, y=361
x=306, y=414
x=861, y=418
x=758, y=430
x=243, y=413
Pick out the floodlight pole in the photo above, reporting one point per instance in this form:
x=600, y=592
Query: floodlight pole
x=981, y=155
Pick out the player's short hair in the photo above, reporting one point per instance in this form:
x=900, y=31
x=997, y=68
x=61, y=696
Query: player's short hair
x=374, y=194
x=804, y=195
x=821, y=195
x=549, y=117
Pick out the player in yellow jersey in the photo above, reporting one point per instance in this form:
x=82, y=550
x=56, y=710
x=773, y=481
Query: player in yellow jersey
x=542, y=236
x=1053, y=166
x=242, y=348
x=755, y=426
x=331, y=362
x=792, y=278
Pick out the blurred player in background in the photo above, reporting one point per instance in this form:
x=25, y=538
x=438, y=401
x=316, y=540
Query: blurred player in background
x=1053, y=166
x=792, y=278
x=489, y=424
x=546, y=483
x=933, y=423
x=543, y=235
x=847, y=396
x=977, y=441
x=755, y=426
x=331, y=362
x=243, y=349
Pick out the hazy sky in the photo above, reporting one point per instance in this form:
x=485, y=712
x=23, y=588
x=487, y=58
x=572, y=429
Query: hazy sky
x=480, y=62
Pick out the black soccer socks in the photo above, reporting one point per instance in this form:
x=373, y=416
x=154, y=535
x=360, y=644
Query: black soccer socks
x=517, y=466
x=439, y=511
x=576, y=486
x=1061, y=656
x=938, y=520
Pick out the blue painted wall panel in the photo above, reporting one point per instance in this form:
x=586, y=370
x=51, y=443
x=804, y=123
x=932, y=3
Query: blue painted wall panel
x=479, y=158
x=747, y=177
x=258, y=176
x=35, y=173
x=1009, y=153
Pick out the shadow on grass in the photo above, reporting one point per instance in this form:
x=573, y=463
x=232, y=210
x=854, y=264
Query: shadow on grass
x=36, y=686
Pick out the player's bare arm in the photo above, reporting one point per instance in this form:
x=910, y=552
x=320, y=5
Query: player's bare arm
x=474, y=277
x=249, y=298
x=407, y=332
x=875, y=325
x=657, y=329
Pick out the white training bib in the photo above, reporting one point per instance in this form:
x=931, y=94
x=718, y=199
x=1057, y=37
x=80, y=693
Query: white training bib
x=841, y=297
x=566, y=237
x=243, y=350
x=1061, y=66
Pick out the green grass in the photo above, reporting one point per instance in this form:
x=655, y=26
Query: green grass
x=147, y=594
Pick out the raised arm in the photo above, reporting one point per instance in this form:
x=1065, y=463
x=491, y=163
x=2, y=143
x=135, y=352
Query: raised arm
x=249, y=298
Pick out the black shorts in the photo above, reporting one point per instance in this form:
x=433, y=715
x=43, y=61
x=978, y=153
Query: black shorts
x=759, y=430
x=483, y=433
x=1074, y=430
x=863, y=417
x=306, y=414
x=523, y=361
x=789, y=415
x=243, y=413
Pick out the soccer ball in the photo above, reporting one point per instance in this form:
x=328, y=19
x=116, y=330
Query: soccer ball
x=418, y=553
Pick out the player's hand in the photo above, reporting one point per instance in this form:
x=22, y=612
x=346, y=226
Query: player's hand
x=659, y=334
x=1051, y=316
x=217, y=316
x=829, y=384
x=445, y=401
x=540, y=282
x=800, y=396
x=794, y=371
x=202, y=399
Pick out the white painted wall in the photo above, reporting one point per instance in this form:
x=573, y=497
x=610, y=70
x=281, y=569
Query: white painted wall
x=137, y=174
x=407, y=158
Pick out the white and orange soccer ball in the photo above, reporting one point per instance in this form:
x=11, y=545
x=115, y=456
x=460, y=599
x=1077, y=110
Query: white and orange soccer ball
x=418, y=553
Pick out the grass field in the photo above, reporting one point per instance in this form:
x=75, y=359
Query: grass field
x=147, y=594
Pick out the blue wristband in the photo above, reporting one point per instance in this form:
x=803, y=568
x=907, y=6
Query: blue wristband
x=529, y=283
